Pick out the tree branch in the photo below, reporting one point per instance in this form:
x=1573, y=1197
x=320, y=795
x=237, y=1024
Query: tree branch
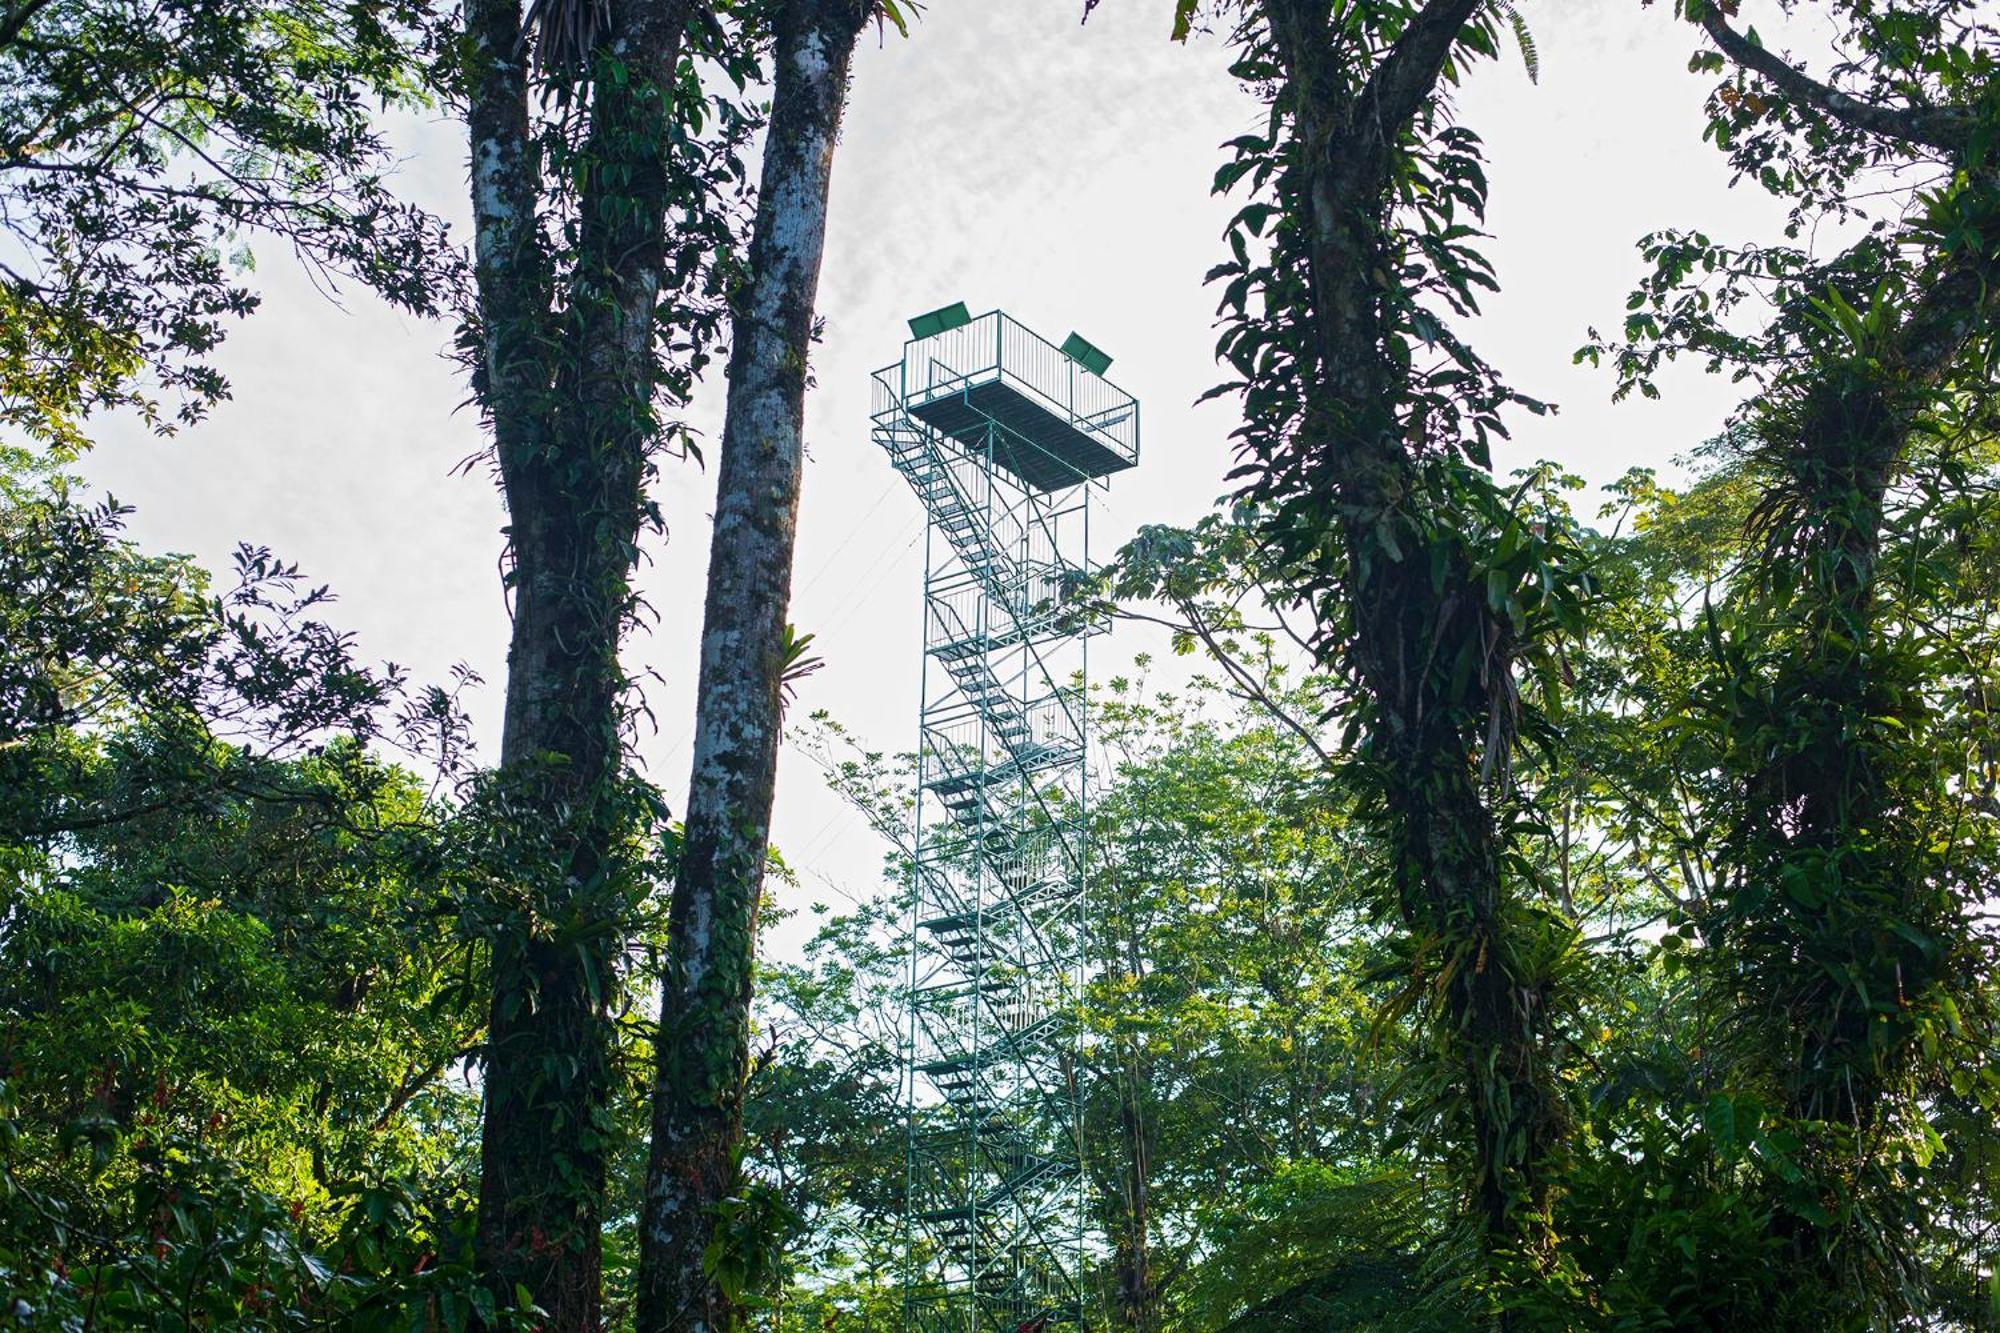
x=417, y=1080
x=15, y=21
x=1953, y=309
x=1943, y=128
x=1247, y=687
x=1410, y=71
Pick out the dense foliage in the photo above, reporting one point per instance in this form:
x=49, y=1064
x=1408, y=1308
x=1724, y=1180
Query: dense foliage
x=145, y=147
x=236, y=1012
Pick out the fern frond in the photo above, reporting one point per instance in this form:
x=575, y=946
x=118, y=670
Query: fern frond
x=1531, y=57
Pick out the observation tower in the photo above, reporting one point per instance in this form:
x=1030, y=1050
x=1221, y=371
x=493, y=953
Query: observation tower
x=1003, y=436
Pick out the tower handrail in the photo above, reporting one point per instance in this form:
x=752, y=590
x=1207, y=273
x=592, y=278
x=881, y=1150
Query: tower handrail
x=1003, y=347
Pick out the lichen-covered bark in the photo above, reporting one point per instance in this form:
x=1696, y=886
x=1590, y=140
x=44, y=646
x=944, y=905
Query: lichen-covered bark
x=570, y=398
x=1445, y=845
x=705, y=1005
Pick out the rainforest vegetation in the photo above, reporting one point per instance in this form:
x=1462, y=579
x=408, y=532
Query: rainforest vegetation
x=1514, y=903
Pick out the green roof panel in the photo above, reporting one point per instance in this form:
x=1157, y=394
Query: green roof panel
x=942, y=320
x=1078, y=349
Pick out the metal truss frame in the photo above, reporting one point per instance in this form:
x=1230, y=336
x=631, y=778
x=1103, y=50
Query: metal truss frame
x=997, y=1201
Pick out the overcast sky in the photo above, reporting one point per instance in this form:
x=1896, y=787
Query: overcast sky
x=1004, y=156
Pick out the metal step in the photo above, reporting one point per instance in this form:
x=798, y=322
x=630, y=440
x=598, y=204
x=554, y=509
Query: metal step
x=1032, y=759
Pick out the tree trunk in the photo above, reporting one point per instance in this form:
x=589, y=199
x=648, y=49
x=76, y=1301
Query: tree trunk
x=571, y=406
x=1132, y=1260
x=1489, y=1026
x=1842, y=904
x=1830, y=793
x=705, y=1005
x=1836, y=434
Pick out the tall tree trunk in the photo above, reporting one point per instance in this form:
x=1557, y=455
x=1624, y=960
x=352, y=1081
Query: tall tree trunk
x=571, y=401
x=1844, y=936
x=1138, y=1305
x=705, y=1005
x=1828, y=794
x=1846, y=905
x=1444, y=842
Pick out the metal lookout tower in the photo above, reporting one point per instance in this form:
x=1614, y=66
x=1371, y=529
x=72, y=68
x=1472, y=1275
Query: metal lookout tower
x=1003, y=436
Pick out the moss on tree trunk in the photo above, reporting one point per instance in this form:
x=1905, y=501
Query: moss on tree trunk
x=703, y=1047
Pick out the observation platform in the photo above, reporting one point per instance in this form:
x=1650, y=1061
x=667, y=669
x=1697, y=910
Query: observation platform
x=1046, y=413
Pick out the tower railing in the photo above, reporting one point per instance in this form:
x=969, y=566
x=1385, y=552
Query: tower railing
x=995, y=346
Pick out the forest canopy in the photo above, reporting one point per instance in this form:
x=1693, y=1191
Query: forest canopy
x=1484, y=897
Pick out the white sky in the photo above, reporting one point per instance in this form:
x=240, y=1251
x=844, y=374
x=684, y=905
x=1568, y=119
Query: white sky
x=1003, y=156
